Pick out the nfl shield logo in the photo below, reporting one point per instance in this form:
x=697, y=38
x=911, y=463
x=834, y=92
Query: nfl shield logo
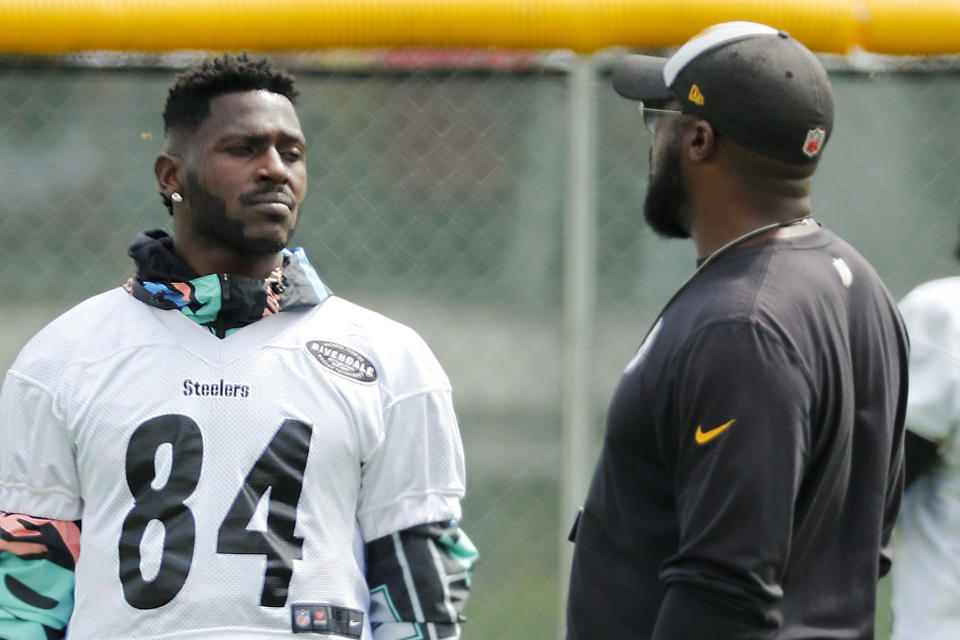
x=301, y=618
x=814, y=142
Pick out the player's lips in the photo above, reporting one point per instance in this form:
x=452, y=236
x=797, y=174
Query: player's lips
x=271, y=198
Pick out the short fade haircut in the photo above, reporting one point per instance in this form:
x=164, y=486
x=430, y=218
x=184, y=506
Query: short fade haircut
x=188, y=101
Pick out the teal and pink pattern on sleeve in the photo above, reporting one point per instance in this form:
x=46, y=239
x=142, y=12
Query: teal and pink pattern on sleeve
x=37, y=561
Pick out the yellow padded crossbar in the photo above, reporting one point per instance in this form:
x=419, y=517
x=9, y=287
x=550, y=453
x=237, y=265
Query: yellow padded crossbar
x=836, y=26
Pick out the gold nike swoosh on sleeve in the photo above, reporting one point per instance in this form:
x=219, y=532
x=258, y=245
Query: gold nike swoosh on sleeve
x=703, y=437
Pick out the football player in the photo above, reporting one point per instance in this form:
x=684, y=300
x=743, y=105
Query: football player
x=222, y=448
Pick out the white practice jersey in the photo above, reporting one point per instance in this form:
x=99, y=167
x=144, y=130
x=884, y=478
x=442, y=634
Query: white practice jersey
x=926, y=568
x=225, y=487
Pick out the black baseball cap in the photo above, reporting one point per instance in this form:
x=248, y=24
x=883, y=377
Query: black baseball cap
x=751, y=82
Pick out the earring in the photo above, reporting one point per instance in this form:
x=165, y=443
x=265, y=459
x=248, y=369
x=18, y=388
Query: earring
x=176, y=197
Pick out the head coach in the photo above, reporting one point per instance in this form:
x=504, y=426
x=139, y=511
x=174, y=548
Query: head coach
x=751, y=469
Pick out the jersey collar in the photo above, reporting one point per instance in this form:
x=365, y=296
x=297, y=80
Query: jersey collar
x=221, y=302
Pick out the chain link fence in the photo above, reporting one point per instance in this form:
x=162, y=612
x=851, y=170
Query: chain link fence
x=438, y=198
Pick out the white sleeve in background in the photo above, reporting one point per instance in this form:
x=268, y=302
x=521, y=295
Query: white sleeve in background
x=931, y=313
x=926, y=572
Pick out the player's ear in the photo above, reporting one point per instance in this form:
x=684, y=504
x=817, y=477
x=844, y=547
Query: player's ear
x=703, y=141
x=167, y=170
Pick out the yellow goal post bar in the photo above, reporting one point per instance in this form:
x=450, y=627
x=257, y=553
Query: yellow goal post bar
x=56, y=27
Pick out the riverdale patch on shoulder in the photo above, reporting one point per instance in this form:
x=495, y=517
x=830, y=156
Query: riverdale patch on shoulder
x=342, y=360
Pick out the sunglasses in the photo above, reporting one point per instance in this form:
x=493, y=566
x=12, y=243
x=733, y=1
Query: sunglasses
x=650, y=115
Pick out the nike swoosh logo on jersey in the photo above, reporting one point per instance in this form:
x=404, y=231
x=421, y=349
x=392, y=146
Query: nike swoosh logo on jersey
x=703, y=437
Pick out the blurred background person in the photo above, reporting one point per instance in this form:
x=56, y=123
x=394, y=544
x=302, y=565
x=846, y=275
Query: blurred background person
x=926, y=578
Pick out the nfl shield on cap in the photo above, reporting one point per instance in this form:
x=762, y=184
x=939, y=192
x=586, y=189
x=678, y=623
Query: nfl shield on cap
x=751, y=82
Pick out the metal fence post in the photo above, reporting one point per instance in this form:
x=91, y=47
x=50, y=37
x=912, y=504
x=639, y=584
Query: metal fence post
x=579, y=293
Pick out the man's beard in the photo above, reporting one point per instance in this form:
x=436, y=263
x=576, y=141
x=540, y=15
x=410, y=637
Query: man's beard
x=209, y=220
x=666, y=195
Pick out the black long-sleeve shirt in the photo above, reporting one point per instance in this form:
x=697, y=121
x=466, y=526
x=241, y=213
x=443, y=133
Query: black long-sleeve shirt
x=752, y=467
